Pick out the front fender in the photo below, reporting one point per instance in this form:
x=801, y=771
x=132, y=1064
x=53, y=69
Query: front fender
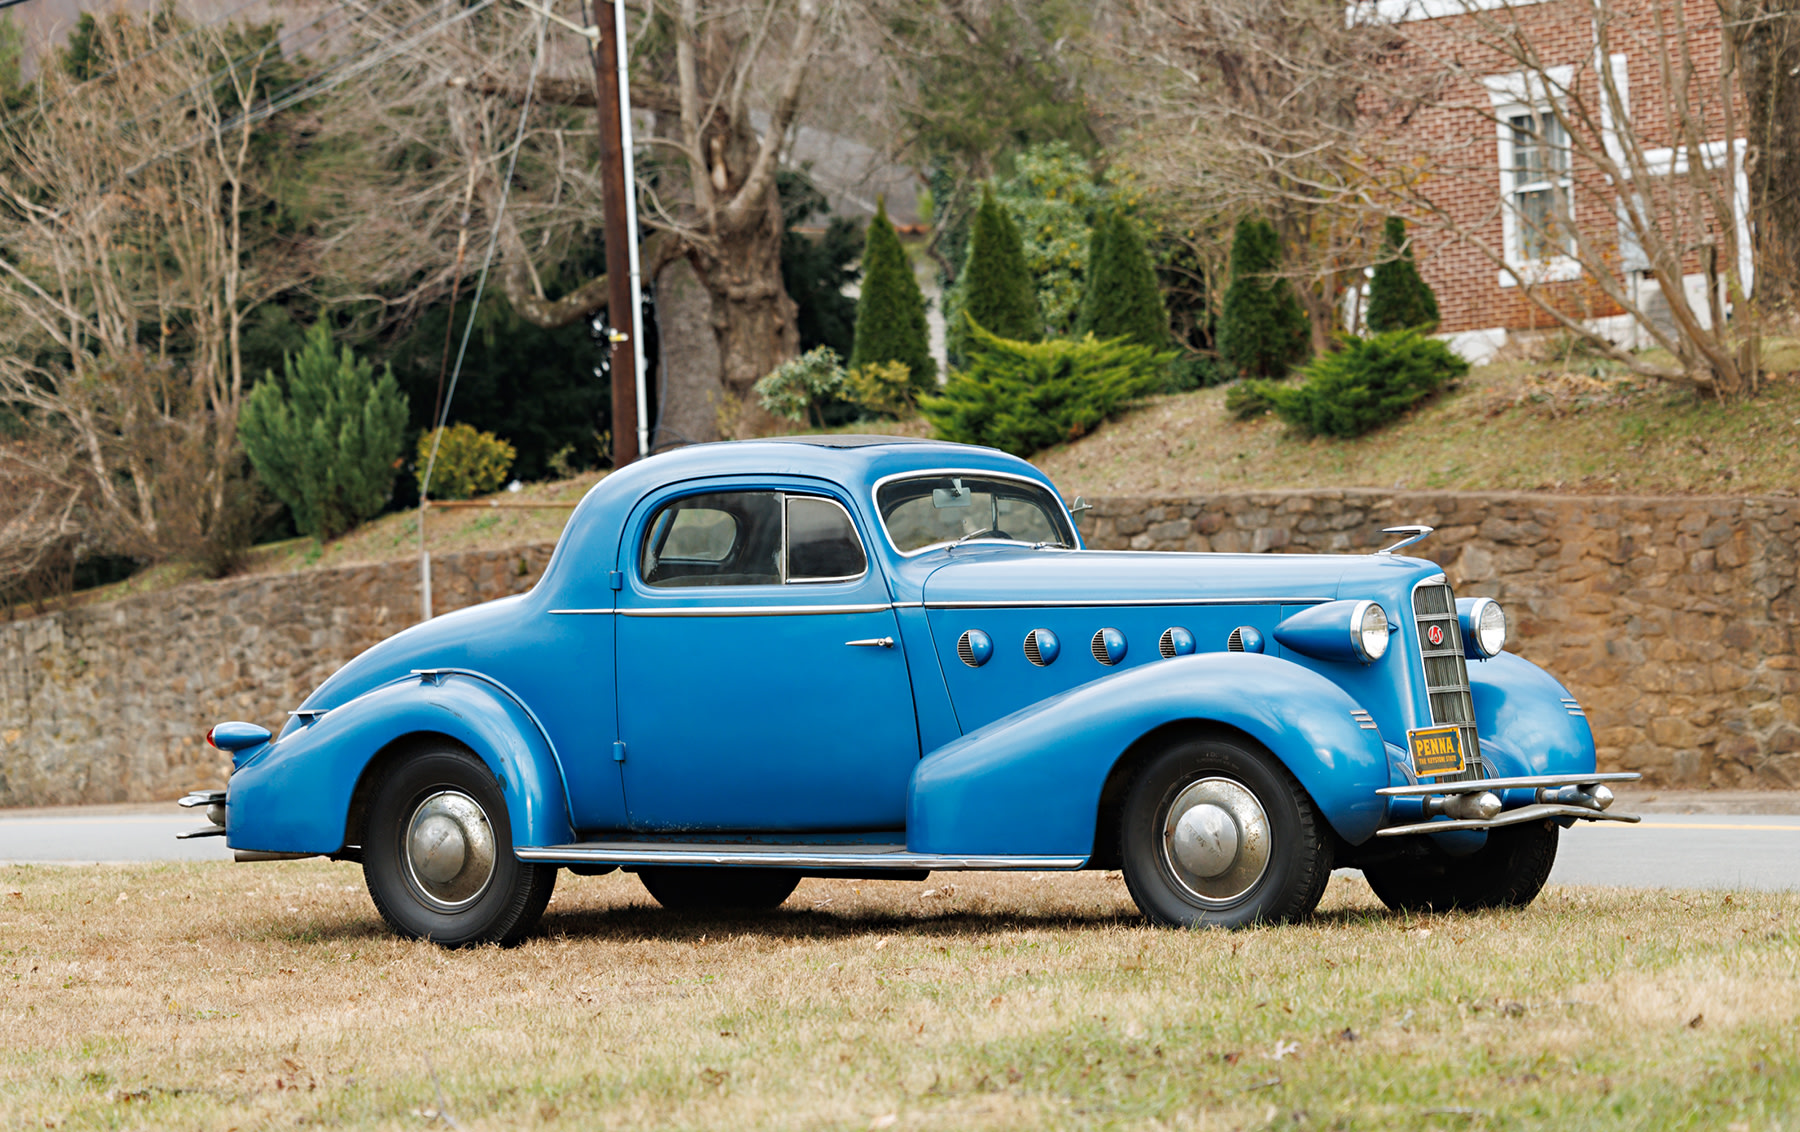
x=294, y=795
x=1031, y=781
x=1526, y=727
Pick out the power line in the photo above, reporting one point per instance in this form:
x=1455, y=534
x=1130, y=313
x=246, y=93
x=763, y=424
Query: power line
x=487, y=261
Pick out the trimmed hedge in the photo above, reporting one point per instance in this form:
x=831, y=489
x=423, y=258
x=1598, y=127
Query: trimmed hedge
x=1365, y=385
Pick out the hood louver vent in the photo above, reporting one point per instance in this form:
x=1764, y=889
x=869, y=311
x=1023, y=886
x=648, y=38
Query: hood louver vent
x=1235, y=642
x=974, y=648
x=1042, y=647
x=1108, y=646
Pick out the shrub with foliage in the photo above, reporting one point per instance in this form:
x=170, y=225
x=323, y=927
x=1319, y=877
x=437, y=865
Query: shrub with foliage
x=1122, y=298
x=1262, y=330
x=995, y=287
x=890, y=314
x=326, y=438
x=1398, y=297
x=1368, y=383
x=469, y=462
x=1023, y=397
x=800, y=389
x=884, y=389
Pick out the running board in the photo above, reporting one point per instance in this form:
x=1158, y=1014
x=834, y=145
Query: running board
x=834, y=856
x=1507, y=817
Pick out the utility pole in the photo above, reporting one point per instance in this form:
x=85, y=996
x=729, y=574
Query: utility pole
x=621, y=224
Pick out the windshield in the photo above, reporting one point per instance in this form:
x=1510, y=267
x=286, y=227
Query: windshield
x=926, y=511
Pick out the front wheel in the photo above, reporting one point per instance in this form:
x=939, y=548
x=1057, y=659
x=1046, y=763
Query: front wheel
x=1217, y=834
x=437, y=854
x=1508, y=872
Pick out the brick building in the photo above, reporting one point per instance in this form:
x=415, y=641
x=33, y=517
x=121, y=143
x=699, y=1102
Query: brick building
x=1541, y=110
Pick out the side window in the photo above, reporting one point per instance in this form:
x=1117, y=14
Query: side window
x=727, y=538
x=822, y=542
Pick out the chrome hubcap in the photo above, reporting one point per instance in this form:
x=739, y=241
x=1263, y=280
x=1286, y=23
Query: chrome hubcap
x=1216, y=840
x=449, y=850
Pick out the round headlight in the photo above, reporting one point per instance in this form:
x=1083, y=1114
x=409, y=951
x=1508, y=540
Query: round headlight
x=1369, y=631
x=1490, y=628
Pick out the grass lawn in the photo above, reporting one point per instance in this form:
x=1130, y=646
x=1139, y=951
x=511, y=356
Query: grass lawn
x=222, y=996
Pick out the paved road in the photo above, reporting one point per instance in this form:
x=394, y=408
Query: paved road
x=1667, y=850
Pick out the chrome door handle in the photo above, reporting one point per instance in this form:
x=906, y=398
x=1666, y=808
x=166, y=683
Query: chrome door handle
x=874, y=643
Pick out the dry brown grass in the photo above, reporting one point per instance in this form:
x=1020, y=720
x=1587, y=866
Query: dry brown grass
x=220, y=996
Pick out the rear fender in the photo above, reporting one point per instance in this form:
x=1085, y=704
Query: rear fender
x=295, y=795
x=1031, y=782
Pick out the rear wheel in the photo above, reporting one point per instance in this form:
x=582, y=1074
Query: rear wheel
x=695, y=888
x=1508, y=872
x=437, y=854
x=1217, y=833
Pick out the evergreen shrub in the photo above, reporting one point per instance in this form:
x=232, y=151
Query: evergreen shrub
x=890, y=314
x=1398, y=297
x=1023, y=397
x=995, y=288
x=882, y=388
x=469, y=462
x=325, y=438
x=1262, y=330
x=800, y=389
x=1122, y=299
x=1365, y=385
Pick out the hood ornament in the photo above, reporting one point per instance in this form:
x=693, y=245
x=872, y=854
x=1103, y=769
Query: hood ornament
x=1414, y=533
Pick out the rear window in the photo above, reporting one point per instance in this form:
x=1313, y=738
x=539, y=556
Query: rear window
x=920, y=512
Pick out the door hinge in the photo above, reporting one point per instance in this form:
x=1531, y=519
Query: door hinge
x=616, y=579
x=619, y=751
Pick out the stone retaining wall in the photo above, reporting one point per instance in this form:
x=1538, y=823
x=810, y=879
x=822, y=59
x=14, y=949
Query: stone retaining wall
x=1676, y=621
x=111, y=702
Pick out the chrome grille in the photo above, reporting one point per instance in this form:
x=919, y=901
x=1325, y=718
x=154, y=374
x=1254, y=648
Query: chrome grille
x=1446, y=672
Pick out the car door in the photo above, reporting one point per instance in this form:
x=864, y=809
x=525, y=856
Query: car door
x=760, y=686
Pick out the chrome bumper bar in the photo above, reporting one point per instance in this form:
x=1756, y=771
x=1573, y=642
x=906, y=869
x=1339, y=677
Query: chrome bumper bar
x=1477, y=804
x=214, y=801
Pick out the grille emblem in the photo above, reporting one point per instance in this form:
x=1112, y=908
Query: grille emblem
x=1435, y=634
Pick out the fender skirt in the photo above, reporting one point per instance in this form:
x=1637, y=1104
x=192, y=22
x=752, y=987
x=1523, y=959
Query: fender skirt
x=1031, y=782
x=294, y=796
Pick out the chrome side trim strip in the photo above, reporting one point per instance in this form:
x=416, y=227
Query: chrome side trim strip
x=1510, y=817
x=584, y=611
x=1524, y=782
x=754, y=610
x=1126, y=603
x=788, y=857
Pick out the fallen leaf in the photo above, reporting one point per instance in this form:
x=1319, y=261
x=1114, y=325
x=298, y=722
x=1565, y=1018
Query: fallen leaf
x=1697, y=1021
x=1286, y=1049
x=885, y=1120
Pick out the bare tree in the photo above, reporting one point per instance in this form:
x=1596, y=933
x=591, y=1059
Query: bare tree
x=721, y=85
x=1257, y=106
x=126, y=276
x=1621, y=214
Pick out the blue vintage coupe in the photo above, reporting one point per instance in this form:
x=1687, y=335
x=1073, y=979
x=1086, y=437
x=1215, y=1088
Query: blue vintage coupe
x=845, y=656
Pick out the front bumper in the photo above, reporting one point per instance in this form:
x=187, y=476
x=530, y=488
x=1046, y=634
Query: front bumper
x=1490, y=803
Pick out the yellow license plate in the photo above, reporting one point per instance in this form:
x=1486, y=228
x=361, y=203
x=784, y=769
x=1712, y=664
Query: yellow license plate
x=1436, y=750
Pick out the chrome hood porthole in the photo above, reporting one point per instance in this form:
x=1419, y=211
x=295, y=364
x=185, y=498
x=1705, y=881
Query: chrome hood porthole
x=450, y=850
x=1215, y=840
x=1041, y=647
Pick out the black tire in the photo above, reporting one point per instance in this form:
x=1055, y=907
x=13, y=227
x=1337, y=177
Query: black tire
x=694, y=888
x=1508, y=872
x=429, y=795
x=1289, y=840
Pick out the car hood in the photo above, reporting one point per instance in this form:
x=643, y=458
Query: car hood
x=1062, y=577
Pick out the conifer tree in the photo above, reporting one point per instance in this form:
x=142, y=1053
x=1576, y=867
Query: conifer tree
x=1262, y=330
x=890, y=314
x=1398, y=298
x=326, y=439
x=995, y=288
x=1122, y=299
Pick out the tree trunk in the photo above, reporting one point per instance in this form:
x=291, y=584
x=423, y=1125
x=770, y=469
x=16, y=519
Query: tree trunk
x=1769, y=47
x=753, y=317
x=690, y=391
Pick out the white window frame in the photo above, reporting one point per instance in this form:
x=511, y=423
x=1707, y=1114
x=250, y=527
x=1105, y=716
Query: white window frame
x=1512, y=96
